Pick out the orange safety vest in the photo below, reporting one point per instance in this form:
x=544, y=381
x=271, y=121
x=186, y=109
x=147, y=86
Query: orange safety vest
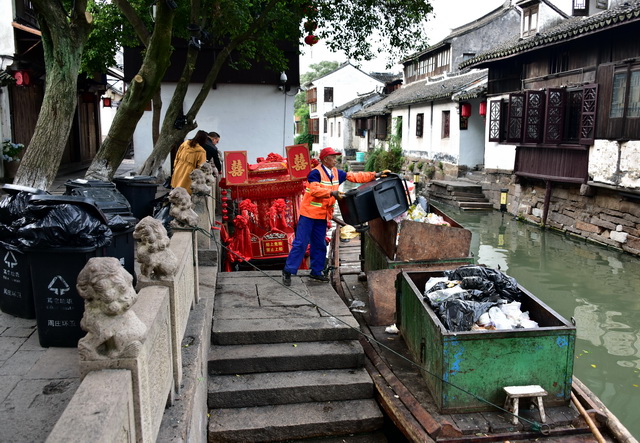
x=317, y=202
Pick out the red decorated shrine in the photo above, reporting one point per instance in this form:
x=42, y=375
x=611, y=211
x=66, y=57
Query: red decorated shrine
x=266, y=207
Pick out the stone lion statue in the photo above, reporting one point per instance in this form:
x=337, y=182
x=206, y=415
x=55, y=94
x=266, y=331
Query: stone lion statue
x=199, y=184
x=157, y=260
x=113, y=331
x=182, y=209
x=210, y=173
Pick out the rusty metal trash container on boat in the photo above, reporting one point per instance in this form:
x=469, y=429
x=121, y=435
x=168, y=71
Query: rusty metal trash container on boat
x=391, y=247
x=483, y=362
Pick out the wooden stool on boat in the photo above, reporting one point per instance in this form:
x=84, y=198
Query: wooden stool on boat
x=514, y=393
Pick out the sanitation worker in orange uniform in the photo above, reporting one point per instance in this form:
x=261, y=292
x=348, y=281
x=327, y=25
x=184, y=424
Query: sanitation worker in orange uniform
x=316, y=211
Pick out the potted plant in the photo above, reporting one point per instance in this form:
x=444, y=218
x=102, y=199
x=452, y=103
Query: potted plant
x=11, y=154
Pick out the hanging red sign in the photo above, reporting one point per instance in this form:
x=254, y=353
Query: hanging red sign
x=298, y=161
x=235, y=167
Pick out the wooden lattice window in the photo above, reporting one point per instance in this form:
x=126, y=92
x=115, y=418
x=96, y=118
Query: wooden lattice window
x=495, y=120
x=515, y=118
x=588, y=113
x=554, y=128
x=534, y=117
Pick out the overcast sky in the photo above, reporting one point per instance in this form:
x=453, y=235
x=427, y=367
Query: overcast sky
x=449, y=14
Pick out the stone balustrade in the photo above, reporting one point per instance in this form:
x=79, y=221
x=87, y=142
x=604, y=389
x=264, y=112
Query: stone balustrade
x=125, y=398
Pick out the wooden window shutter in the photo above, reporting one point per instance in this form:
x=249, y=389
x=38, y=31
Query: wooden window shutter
x=534, y=116
x=588, y=114
x=446, y=124
x=554, y=127
x=515, y=118
x=494, y=120
x=419, y=124
x=381, y=127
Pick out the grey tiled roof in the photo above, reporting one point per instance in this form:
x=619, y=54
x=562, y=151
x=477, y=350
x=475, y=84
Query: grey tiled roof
x=362, y=99
x=426, y=91
x=569, y=29
x=466, y=28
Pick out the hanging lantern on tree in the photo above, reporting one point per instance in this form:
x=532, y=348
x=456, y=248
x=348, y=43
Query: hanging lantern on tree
x=311, y=39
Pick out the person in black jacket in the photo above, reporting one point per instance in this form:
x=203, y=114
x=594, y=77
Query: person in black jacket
x=212, y=150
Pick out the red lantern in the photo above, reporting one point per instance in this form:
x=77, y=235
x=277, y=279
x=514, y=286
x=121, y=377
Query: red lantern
x=465, y=110
x=311, y=39
x=22, y=78
x=483, y=108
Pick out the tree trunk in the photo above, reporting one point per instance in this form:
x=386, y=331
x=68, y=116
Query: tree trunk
x=141, y=91
x=63, y=41
x=169, y=135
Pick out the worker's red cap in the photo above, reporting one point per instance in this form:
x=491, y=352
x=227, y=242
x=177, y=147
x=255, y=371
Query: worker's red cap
x=328, y=151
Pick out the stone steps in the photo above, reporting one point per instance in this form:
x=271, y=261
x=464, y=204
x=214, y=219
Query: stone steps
x=244, y=359
x=282, y=367
x=294, y=421
x=465, y=195
x=282, y=330
x=264, y=389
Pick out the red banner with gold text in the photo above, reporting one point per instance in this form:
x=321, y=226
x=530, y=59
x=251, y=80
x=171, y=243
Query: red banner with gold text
x=298, y=161
x=235, y=167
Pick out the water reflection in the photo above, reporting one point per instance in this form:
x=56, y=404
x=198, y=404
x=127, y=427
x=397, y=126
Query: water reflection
x=596, y=286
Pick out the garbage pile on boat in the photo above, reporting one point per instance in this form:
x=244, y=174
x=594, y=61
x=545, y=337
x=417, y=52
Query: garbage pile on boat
x=475, y=298
x=419, y=212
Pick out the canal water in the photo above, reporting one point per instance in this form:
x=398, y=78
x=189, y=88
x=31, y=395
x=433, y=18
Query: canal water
x=597, y=286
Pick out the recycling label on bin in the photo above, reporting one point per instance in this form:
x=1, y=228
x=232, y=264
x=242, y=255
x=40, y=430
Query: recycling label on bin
x=60, y=298
x=10, y=271
x=58, y=285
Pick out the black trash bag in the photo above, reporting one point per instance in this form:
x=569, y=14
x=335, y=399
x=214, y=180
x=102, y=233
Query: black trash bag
x=63, y=225
x=117, y=223
x=459, y=315
x=161, y=212
x=14, y=214
x=504, y=286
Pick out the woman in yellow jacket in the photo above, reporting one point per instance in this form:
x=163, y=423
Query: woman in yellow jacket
x=191, y=155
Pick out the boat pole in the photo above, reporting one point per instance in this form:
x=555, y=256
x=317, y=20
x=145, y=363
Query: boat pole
x=594, y=430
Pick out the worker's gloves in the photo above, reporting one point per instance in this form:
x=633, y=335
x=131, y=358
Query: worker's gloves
x=383, y=174
x=337, y=195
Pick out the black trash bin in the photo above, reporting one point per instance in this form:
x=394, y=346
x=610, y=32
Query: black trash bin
x=117, y=211
x=384, y=198
x=16, y=295
x=140, y=191
x=71, y=230
x=59, y=308
x=70, y=185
